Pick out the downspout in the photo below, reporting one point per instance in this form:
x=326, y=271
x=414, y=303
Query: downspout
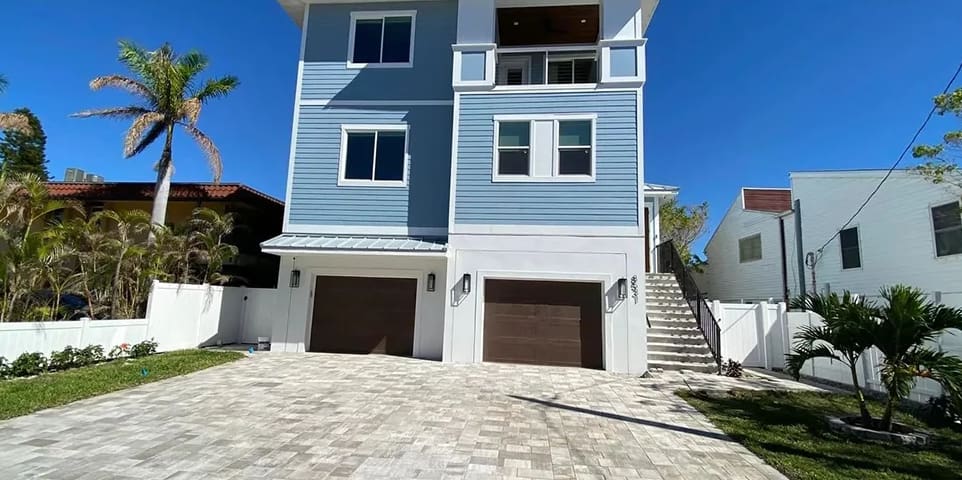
x=781, y=231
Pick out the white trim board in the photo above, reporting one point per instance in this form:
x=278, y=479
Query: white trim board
x=376, y=103
x=361, y=253
x=296, y=121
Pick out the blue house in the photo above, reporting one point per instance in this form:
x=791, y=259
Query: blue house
x=466, y=182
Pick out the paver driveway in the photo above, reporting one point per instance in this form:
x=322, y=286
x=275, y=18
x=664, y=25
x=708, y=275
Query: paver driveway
x=331, y=416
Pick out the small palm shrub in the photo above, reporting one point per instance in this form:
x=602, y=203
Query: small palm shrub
x=28, y=364
x=142, y=349
x=732, y=368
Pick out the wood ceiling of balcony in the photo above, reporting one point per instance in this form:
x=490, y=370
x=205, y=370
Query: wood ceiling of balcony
x=548, y=25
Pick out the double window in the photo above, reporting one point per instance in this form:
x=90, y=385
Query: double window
x=383, y=39
x=572, y=69
x=750, y=248
x=557, y=148
x=373, y=155
x=851, y=253
x=947, y=223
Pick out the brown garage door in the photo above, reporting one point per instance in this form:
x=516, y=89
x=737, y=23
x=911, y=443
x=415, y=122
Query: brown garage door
x=544, y=323
x=364, y=315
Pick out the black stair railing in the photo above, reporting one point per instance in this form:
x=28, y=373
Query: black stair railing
x=669, y=261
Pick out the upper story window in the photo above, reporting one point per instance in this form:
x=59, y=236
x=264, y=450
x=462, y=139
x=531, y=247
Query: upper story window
x=750, y=248
x=947, y=223
x=851, y=254
x=373, y=155
x=548, y=148
x=563, y=69
x=381, y=39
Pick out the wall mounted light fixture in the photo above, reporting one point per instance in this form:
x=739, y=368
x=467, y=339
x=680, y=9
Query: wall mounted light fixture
x=466, y=283
x=432, y=280
x=295, y=278
x=622, y=288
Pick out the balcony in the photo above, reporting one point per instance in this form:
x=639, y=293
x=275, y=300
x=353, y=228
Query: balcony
x=559, y=65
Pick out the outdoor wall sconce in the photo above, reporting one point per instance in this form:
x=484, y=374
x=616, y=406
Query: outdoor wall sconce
x=622, y=289
x=431, y=282
x=466, y=283
x=295, y=278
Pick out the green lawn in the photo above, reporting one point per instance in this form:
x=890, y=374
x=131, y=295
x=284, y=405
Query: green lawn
x=789, y=432
x=23, y=396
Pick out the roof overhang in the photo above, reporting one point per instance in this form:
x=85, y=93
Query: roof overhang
x=295, y=243
x=655, y=190
x=295, y=8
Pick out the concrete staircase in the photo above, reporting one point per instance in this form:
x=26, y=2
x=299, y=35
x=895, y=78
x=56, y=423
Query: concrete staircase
x=674, y=340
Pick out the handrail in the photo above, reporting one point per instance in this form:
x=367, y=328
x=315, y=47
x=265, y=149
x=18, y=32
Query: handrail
x=669, y=261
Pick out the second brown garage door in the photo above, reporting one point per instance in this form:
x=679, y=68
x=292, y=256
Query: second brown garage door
x=544, y=323
x=364, y=315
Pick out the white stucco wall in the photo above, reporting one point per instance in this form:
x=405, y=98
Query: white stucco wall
x=728, y=280
x=895, y=231
x=295, y=306
x=590, y=259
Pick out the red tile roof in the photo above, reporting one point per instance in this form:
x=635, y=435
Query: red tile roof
x=145, y=191
x=774, y=200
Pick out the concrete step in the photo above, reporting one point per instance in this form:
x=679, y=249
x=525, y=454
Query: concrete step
x=659, y=276
x=675, y=366
x=653, y=290
x=655, y=303
x=681, y=357
x=682, y=348
x=671, y=284
x=673, y=322
x=676, y=338
x=672, y=329
x=670, y=312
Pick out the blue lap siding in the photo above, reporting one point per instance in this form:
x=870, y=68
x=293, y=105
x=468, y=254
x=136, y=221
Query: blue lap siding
x=316, y=199
x=612, y=200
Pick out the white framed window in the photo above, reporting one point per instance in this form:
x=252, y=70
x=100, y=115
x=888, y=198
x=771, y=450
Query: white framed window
x=383, y=39
x=750, y=248
x=544, y=148
x=373, y=155
x=571, y=69
x=851, y=250
x=947, y=227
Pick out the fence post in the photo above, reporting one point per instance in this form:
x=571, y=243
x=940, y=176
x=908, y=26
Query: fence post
x=761, y=319
x=781, y=321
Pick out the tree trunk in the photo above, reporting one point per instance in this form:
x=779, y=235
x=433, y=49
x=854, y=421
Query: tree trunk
x=859, y=395
x=114, y=302
x=165, y=171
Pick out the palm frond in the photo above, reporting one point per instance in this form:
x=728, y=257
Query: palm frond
x=192, y=63
x=191, y=110
x=132, y=111
x=135, y=58
x=15, y=122
x=153, y=134
x=219, y=87
x=210, y=150
x=3, y=83
x=124, y=83
x=136, y=132
x=803, y=353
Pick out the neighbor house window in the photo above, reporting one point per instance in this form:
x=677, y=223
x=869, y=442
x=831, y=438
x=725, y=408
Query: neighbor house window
x=373, y=155
x=851, y=255
x=514, y=148
x=947, y=222
x=750, y=249
x=382, y=39
x=544, y=148
x=572, y=69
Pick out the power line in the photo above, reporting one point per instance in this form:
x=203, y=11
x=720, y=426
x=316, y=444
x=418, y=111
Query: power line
x=818, y=253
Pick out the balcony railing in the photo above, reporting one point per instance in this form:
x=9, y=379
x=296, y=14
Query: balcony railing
x=556, y=65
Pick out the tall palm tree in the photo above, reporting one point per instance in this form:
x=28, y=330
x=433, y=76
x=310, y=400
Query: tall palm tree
x=844, y=335
x=12, y=121
x=210, y=233
x=907, y=325
x=170, y=96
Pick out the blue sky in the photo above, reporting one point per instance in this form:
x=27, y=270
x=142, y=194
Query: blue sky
x=739, y=92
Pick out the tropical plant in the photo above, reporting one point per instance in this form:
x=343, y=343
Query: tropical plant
x=12, y=121
x=908, y=323
x=24, y=151
x=683, y=225
x=170, y=96
x=210, y=234
x=844, y=335
x=941, y=165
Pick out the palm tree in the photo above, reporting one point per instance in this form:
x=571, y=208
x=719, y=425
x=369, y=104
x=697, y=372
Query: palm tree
x=12, y=121
x=844, y=335
x=210, y=232
x=170, y=96
x=907, y=324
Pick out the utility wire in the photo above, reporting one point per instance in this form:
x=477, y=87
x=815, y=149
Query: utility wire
x=888, y=174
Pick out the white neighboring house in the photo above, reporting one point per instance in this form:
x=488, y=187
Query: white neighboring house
x=909, y=233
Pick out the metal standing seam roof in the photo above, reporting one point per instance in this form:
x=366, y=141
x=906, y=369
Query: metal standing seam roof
x=656, y=188
x=290, y=241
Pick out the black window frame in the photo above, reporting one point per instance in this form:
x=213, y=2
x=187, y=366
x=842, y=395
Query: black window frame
x=953, y=229
x=848, y=252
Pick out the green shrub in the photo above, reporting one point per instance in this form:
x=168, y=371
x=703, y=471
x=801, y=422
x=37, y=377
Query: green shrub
x=142, y=349
x=28, y=364
x=119, y=351
x=63, y=359
x=4, y=368
x=90, y=355
x=732, y=368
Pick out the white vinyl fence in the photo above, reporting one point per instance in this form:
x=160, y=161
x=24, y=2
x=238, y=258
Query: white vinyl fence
x=178, y=317
x=759, y=335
